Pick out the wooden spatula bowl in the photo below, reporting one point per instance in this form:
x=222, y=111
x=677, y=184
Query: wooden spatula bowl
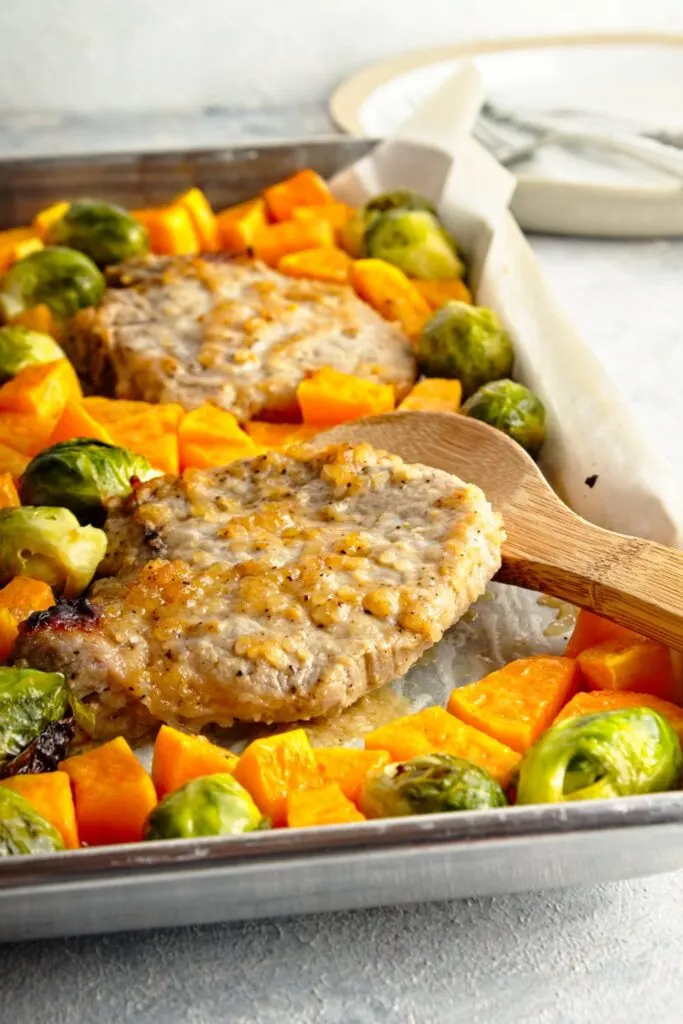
x=637, y=583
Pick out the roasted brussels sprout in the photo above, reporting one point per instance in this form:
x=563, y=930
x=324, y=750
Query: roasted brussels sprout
x=428, y=784
x=415, y=242
x=465, y=342
x=49, y=544
x=612, y=753
x=352, y=234
x=82, y=475
x=45, y=752
x=62, y=279
x=23, y=830
x=103, y=231
x=399, y=199
x=213, y=805
x=511, y=408
x=20, y=347
x=29, y=701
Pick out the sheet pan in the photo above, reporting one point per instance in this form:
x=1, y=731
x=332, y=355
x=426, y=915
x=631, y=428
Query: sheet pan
x=468, y=854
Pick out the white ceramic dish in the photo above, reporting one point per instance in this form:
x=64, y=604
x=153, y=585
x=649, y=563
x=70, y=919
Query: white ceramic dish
x=635, y=79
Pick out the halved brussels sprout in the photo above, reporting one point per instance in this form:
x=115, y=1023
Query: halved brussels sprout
x=49, y=544
x=62, y=279
x=213, y=805
x=29, y=701
x=82, y=475
x=611, y=753
x=465, y=342
x=512, y=408
x=415, y=242
x=23, y=830
x=399, y=199
x=427, y=785
x=20, y=347
x=103, y=231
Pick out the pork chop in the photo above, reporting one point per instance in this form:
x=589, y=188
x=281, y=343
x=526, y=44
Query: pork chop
x=190, y=329
x=274, y=589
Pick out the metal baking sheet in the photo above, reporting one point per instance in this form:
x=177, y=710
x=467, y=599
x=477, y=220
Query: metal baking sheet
x=281, y=872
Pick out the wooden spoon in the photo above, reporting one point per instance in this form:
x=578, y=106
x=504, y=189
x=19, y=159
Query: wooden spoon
x=637, y=583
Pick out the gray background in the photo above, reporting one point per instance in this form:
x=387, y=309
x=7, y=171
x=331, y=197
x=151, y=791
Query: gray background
x=611, y=953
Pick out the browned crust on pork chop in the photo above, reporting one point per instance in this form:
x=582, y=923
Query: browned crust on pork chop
x=272, y=590
x=191, y=329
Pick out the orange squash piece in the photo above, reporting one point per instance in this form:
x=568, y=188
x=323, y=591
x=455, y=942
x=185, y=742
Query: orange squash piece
x=179, y=758
x=113, y=793
x=170, y=230
x=238, y=225
x=12, y=462
x=643, y=666
x=22, y=596
x=211, y=436
x=329, y=396
x=274, y=241
x=152, y=433
x=39, y=318
x=41, y=390
x=322, y=264
x=519, y=701
x=591, y=629
x=336, y=214
x=110, y=410
x=44, y=219
x=24, y=432
x=9, y=631
x=348, y=766
x=202, y=217
x=12, y=253
x=76, y=421
x=273, y=767
x=279, y=436
x=50, y=795
x=435, y=731
x=438, y=293
x=328, y=805
x=9, y=497
x=388, y=290
x=434, y=394
x=305, y=188
x=610, y=700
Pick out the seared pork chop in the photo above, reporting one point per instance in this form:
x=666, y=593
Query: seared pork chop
x=192, y=329
x=271, y=590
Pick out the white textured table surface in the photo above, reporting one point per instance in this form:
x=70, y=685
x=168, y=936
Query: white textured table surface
x=611, y=953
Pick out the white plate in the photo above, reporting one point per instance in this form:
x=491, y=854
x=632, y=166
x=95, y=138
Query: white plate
x=638, y=79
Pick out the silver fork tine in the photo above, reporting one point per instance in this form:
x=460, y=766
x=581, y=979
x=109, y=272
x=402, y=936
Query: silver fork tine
x=497, y=141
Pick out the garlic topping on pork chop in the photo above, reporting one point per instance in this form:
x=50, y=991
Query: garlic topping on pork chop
x=191, y=329
x=274, y=589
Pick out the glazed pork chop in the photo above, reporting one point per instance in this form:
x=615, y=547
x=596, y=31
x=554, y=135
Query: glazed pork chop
x=190, y=329
x=274, y=589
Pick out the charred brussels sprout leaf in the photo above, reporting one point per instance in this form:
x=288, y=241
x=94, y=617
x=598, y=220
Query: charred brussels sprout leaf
x=467, y=343
x=399, y=199
x=103, y=231
x=512, y=408
x=20, y=347
x=29, y=701
x=62, y=279
x=428, y=785
x=49, y=544
x=214, y=805
x=415, y=242
x=82, y=475
x=23, y=830
x=612, y=753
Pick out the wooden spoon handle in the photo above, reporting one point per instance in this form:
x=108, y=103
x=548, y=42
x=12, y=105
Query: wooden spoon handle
x=637, y=583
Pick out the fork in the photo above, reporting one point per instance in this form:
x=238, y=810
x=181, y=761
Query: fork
x=494, y=125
